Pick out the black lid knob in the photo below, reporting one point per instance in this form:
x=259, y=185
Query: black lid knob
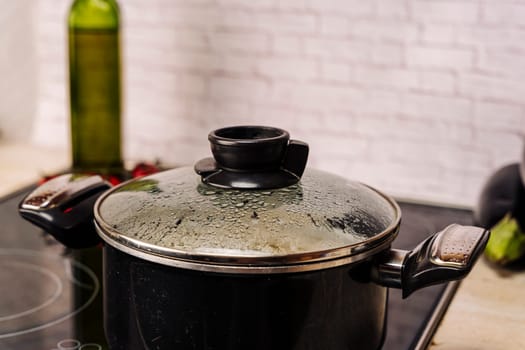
x=253, y=157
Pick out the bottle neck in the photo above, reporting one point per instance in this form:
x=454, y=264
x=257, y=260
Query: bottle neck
x=89, y=14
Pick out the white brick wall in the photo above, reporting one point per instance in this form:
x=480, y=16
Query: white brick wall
x=421, y=98
x=17, y=70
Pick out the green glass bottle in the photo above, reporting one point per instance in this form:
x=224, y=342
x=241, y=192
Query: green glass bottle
x=95, y=96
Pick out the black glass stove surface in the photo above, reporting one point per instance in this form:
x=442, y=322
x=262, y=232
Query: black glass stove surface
x=411, y=322
x=51, y=299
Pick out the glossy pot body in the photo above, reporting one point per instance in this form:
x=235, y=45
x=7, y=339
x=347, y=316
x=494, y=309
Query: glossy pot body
x=154, y=306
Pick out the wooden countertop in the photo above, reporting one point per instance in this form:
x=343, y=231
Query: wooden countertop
x=22, y=165
x=487, y=312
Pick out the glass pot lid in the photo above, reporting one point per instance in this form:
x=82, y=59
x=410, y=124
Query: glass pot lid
x=248, y=207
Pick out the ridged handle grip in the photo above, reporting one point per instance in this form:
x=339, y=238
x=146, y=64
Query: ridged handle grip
x=61, y=190
x=63, y=207
x=456, y=246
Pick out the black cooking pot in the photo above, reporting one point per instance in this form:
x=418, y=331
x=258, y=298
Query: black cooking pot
x=245, y=254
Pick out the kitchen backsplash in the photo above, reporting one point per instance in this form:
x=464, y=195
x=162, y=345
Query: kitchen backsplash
x=423, y=99
x=18, y=67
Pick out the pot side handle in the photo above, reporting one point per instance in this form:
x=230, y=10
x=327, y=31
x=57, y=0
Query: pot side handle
x=447, y=255
x=63, y=207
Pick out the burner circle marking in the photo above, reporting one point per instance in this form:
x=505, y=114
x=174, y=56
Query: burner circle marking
x=73, y=344
x=72, y=262
x=35, y=268
x=68, y=344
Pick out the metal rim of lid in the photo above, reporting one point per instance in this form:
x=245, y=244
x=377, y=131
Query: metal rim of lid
x=288, y=263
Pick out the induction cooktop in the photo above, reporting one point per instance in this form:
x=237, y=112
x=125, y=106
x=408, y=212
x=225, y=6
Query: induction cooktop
x=51, y=297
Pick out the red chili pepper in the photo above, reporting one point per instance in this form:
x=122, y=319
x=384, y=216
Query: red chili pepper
x=114, y=180
x=143, y=169
x=140, y=170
